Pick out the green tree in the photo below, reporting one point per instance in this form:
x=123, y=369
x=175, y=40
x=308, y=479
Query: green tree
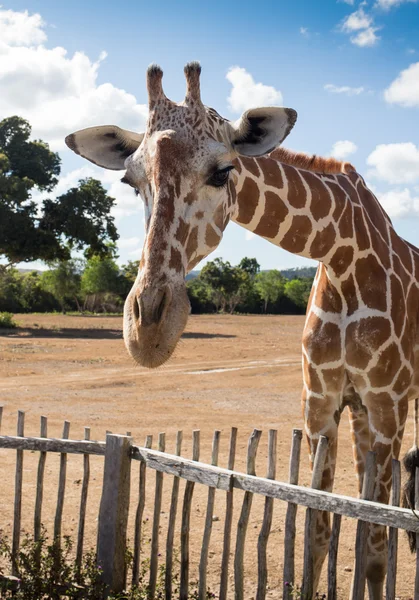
x=130, y=270
x=101, y=284
x=250, y=265
x=228, y=284
x=200, y=296
x=298, y=290
x=46, y=230
x=270, y=286
x=64, y=282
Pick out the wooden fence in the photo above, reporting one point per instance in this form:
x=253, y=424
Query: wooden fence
x=120, y=455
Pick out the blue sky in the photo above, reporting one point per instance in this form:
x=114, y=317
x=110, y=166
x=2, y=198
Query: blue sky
x=350, y=69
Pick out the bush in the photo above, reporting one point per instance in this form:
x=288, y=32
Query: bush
x=47, y=571
x=7, y=321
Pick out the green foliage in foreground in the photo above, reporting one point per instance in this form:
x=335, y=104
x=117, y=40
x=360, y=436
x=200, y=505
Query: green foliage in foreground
x=7, y=321
x=47, y=571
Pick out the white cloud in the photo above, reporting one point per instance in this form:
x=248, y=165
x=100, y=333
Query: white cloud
x=20, y=28
x=247, y=94
x=128, y=242
x=395, y=163
x=304, y=31
x=343, y=148
x=351, y=2
x=56, y=92
x=366, y=38
x=343, y=89
x=356, y=20
x=400, y=203
x=363, y=24
x=404, y=90
x=387, y=4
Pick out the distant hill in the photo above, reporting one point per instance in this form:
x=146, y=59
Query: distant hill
x=299, y=272
x=192, y=275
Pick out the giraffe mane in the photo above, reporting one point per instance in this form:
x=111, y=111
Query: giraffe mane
x=317, y=164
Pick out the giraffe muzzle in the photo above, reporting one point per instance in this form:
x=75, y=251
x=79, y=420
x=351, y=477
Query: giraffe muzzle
x=154, y=320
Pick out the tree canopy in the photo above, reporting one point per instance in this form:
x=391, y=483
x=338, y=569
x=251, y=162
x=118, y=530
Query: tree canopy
x=47, y=229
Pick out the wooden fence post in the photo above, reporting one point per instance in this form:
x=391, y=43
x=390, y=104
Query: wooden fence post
x=113, y=512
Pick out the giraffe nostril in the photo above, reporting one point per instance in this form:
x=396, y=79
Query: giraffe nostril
x=160, y=305
x=136, y=309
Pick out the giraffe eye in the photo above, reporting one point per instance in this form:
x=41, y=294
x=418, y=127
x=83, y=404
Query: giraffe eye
x=220, y=177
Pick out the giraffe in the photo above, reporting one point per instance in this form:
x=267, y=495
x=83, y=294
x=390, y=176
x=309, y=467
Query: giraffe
x=196, y=171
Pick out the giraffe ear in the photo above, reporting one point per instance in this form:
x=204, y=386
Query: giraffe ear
x=260, y=130
x=107, y=146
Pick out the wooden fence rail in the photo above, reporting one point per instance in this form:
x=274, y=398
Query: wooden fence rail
x=120, y=455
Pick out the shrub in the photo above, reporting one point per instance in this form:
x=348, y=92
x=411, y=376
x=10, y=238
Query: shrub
x=47, y=571
x=7, y=321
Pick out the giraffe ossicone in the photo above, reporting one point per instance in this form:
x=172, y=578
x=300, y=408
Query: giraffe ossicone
x=196, y=171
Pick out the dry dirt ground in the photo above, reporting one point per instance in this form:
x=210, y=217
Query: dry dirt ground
x=242, y=371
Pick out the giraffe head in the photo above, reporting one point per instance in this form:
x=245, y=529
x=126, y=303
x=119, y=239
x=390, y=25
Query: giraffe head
x=183, y=168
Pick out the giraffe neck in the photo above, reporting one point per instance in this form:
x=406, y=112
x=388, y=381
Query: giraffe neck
x=309, y=214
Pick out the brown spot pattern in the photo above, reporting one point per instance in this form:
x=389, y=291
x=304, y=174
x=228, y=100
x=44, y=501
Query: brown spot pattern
x=321, y=202
x=182, y=231
x=361, y=232
x=272, y=173
x=371, y=279
x=251, y=166
x=323, y=242
x=402, y=250
x=398, y=306
x=273, y=215
x=327, y=296
x=248, y=199
x=388, y=365
x=346, y=228
x=175, y=262
x=295, y=239
x=192, y=244
x=363, y=338
x=349, y=293
x=322, y=341
x=341, y=260
x=297, y=195
x=403, y=381
x=211, y=236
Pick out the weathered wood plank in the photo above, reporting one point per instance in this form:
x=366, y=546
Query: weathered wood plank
x=267, y=520
x=83, y=505
x=333, y=556
x=40, y=485
x=202, y=591
x=358, y=585
x=307, y=587
x=61, y=488
x=113, y=512
x=393, y=535
x=243, y=522
x=156, y=526
x=186, y=518
x=139, y=518
x=171, y=525
x=317, y=499
x=228, y=520
x=52, y=445
x=17, y=513
x=290, y=529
